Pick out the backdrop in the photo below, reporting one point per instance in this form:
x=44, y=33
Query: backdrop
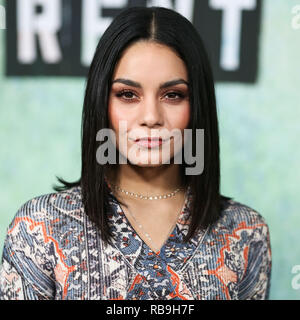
x=254, y=47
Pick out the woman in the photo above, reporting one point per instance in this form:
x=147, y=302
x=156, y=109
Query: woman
x=146, y=226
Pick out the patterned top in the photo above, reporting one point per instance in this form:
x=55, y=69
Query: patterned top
x=53, y=251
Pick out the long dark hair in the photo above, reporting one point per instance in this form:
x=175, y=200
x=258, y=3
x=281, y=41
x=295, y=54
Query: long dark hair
x=167, y=27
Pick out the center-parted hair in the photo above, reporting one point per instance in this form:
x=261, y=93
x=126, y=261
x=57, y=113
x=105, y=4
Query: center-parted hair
x=167, y=27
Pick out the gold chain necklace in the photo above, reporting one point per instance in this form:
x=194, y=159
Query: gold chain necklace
x=156, y=197
x=146, y=233
x=142, y=197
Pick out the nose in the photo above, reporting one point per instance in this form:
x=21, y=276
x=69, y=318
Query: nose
x=151, y=114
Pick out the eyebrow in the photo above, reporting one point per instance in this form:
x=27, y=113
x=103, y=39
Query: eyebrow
x=162, y=86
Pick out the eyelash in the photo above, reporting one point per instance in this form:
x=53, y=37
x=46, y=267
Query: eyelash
x=121, y=93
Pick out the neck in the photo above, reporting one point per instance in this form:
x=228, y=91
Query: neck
x=147, y=180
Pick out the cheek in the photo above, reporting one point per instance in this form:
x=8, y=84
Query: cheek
x=181, y=118
x=186, y=117
x=113, y=118
x=117, y=114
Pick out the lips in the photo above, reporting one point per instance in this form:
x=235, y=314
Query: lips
x=149, y=142
x=149, y=139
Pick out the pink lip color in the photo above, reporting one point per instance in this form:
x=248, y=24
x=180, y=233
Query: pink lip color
x=149, y=143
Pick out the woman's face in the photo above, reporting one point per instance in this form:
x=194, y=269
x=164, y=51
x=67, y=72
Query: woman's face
x=148, y=112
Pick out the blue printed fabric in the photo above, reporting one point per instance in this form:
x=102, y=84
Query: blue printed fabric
x=53, y=251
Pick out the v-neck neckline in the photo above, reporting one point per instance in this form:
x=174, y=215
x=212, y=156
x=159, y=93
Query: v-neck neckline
x=127, y=239
x=179, y=221
x=170, y=233
x=160, y=270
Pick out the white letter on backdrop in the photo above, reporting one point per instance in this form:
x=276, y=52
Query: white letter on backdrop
x=45, y=25
x=231, y=29
x=93, y=25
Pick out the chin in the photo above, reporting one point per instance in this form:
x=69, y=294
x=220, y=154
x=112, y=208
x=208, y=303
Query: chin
x=146, y=162
x=149, y=165
x=146, y=158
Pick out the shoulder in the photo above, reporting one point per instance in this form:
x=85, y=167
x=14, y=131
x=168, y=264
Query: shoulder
x=46, y=207
x=241, y=222
x=46, y=221
x=237, y=212
x=35, y=251
x=42, y=233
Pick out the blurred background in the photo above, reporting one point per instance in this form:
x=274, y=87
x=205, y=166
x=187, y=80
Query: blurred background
x=254, y=47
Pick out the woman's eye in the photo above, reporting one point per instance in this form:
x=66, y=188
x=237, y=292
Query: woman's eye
x=129, y=95
x=126, y=95
x=175, y=95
